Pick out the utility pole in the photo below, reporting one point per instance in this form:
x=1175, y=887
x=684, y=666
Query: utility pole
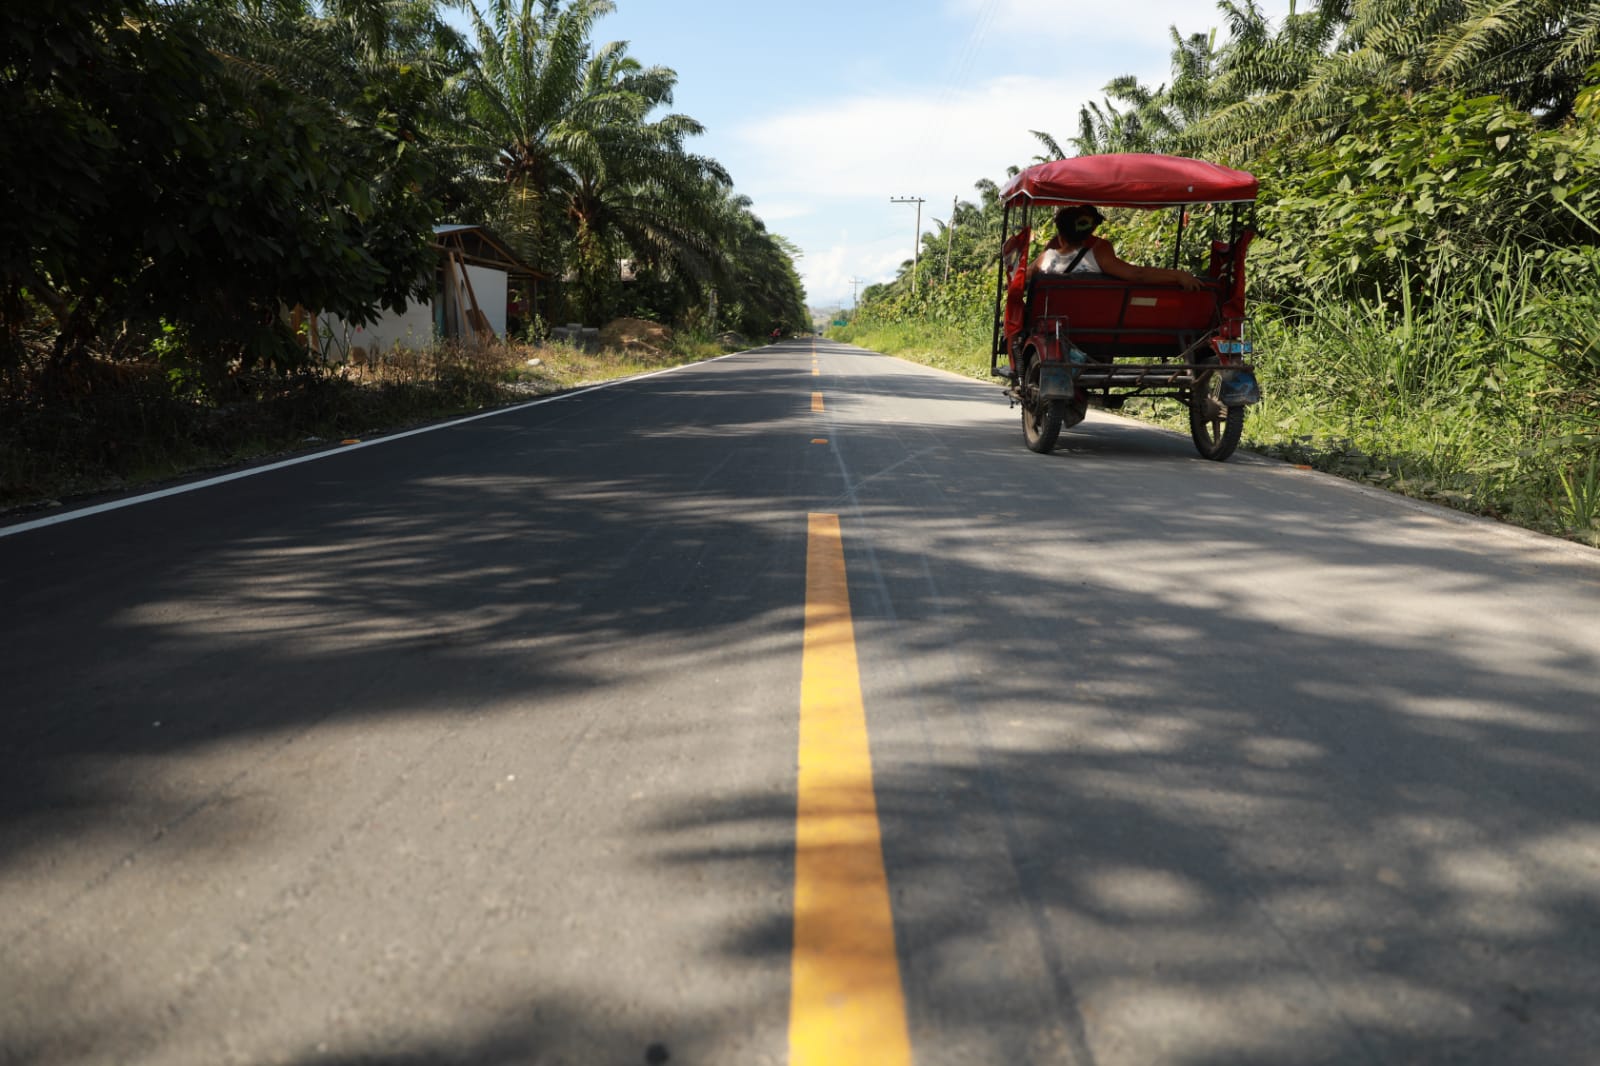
x=853, y=283
x=916, y=243
x=950, y=236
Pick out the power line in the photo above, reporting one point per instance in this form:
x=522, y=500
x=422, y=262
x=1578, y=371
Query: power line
x=958, y=71
x=960, y=66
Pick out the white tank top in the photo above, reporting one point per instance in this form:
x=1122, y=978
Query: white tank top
x=1056, y=262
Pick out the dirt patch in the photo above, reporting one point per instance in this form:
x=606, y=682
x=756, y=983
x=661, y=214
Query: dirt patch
x=636, y=336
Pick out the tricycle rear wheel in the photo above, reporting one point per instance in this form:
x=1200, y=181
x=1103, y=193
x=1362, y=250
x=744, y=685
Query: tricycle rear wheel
x=1215, y=427
x=1041, y=419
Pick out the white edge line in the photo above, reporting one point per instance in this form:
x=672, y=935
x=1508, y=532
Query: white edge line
x=195, y=486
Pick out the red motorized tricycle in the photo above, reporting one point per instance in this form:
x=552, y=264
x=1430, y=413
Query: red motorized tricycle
x=1063, y=342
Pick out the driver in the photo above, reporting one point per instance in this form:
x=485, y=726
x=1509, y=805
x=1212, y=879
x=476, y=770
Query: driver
x=1077, y=250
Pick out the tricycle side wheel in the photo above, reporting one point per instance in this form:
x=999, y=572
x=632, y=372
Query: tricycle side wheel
x=1041, y=419
x=1215, y=427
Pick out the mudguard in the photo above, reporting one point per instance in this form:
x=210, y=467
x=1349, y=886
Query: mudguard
x=1057, y=381
x=1058, y=368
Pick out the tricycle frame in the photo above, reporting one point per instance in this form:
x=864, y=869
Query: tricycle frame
x=1104, y=341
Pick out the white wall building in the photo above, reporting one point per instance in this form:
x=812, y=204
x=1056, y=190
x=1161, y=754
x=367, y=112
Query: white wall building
x=469, y=301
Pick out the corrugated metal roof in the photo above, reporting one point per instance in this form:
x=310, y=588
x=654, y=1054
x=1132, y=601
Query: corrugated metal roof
x=479, y=245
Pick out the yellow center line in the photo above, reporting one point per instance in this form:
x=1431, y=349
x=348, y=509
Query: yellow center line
x=846, y=1004
x=816, y=402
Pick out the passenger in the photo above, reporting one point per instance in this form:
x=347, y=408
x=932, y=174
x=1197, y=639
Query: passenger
x=1077, y=250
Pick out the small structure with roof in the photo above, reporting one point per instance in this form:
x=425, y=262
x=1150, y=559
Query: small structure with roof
x=480, y=288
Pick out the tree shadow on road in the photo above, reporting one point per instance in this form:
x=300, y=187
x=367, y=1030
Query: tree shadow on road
x=1195, y=789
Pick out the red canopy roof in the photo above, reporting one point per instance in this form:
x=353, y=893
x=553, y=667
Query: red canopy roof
x=1131, y=180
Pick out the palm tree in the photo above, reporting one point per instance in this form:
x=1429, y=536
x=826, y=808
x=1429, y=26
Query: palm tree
x=636, y=192
x=1052, y=147
x=590, y=171
x=1298, y=81
x=1270, y=84
x=1149, y=120
x=1534, y=51
x=1193, y=68
x=1103, y=127
x=529, y=113
x=757, y=274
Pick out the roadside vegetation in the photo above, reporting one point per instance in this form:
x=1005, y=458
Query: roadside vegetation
x=1426, y=286
x=186, y=173
x=140, y=432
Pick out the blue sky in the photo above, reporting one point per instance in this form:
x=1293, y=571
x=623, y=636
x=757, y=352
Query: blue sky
x=823, y=110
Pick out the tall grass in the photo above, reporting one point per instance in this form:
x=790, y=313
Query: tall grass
x=962, y=348
x=1463, y=391
x=1581, y=490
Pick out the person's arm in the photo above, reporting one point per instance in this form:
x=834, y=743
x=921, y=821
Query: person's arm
x=1112, y=265
x=1038, y=263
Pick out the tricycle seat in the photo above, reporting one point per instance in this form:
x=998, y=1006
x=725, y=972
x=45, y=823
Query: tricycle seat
x=1107, y=318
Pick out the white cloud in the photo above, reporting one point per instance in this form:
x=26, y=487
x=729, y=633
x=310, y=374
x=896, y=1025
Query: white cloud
x=777, y=211
x=828, y=171
x=828, y=273
x=904, y=145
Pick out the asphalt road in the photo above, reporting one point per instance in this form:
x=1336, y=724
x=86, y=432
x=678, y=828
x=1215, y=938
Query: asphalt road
x=480, y=746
